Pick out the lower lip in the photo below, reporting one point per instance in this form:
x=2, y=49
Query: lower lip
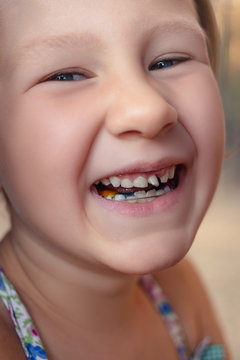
x=162, y=203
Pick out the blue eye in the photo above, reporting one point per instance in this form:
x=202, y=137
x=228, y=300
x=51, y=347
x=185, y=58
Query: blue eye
x=68, y=76
x=163, y=64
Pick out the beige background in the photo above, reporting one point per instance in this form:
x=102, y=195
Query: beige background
x=216, y=252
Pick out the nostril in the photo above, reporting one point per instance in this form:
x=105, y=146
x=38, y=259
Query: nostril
x=131, y=133
x=143, y=112
x=167, y=127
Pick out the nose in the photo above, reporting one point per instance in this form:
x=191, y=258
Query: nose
x=139, y=107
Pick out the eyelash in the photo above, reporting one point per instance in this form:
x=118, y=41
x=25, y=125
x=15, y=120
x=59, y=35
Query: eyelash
x=77, y=76
x=66, y=76
x=165, y=63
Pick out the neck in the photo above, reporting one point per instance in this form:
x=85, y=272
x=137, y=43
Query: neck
x=65, y=286
x=79, y=307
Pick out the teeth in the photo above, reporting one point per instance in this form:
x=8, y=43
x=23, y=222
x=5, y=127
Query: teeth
x=140, y=194
x=160, y=192
x=153, y=180
x=164, y=178
x=119, y=197
x=126, y=183
x=166, y=189
x=140, y=182
x=130, y=197
x=106, y=182
x=115, y=181
x=151, y=193
x=171, y=172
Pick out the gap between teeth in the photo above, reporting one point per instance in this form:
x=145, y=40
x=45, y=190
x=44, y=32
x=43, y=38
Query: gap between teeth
x=139, y=181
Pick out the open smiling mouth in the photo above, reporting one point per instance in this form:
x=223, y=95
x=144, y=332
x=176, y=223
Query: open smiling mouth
x=141, y=188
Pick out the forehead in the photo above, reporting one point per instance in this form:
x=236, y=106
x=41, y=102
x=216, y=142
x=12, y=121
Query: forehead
x=108, y=20
x=33, y=13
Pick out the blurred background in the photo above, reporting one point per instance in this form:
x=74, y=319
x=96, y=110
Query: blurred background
x=216, y=251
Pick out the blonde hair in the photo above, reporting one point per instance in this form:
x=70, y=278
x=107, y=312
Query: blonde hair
x=208, y=22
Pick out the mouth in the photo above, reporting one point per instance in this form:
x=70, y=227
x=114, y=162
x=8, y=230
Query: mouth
x=139, y=188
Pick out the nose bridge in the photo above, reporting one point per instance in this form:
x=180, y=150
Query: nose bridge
x=137, y=105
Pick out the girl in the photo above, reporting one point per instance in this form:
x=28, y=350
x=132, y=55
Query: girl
x=112, y=139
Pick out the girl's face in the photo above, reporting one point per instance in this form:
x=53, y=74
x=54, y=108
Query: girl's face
x=114, y=90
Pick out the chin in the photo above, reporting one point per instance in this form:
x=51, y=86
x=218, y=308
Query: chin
x=153, y=254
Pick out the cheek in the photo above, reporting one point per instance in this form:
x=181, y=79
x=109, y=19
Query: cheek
x=47, y=132
x=42, y=155
x=44, y=149
x=209, y=131
x=203, y=118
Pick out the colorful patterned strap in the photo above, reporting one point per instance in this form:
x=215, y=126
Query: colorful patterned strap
x=33, y=346
x=25, y=329
x=205, y=351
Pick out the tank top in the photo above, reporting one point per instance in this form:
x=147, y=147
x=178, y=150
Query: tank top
x=34, y=349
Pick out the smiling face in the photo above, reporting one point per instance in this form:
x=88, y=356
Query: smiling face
x=102, y=100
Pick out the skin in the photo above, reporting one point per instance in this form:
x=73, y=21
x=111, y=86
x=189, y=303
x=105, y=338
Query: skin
x=58, y=138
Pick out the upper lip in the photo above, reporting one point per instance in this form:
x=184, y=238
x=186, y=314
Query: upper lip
x=144, y=167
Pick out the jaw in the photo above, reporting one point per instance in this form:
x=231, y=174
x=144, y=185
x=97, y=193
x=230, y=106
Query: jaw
x=142, y=237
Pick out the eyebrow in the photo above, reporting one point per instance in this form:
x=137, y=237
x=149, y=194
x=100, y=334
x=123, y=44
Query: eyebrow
x=59, y=41
x=179, y=25
x=89, y=40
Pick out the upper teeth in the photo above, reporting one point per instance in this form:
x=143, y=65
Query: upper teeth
x=139, y=181
x=153, y=180
x=115, y=181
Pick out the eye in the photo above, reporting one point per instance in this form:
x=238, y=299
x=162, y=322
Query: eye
x=66, y=76
x=166, y=63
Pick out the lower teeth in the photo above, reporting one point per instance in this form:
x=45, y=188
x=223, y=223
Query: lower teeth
x=139, y=196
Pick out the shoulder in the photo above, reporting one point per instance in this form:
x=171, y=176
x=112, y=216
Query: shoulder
x=189, y=299
x=10, y=346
